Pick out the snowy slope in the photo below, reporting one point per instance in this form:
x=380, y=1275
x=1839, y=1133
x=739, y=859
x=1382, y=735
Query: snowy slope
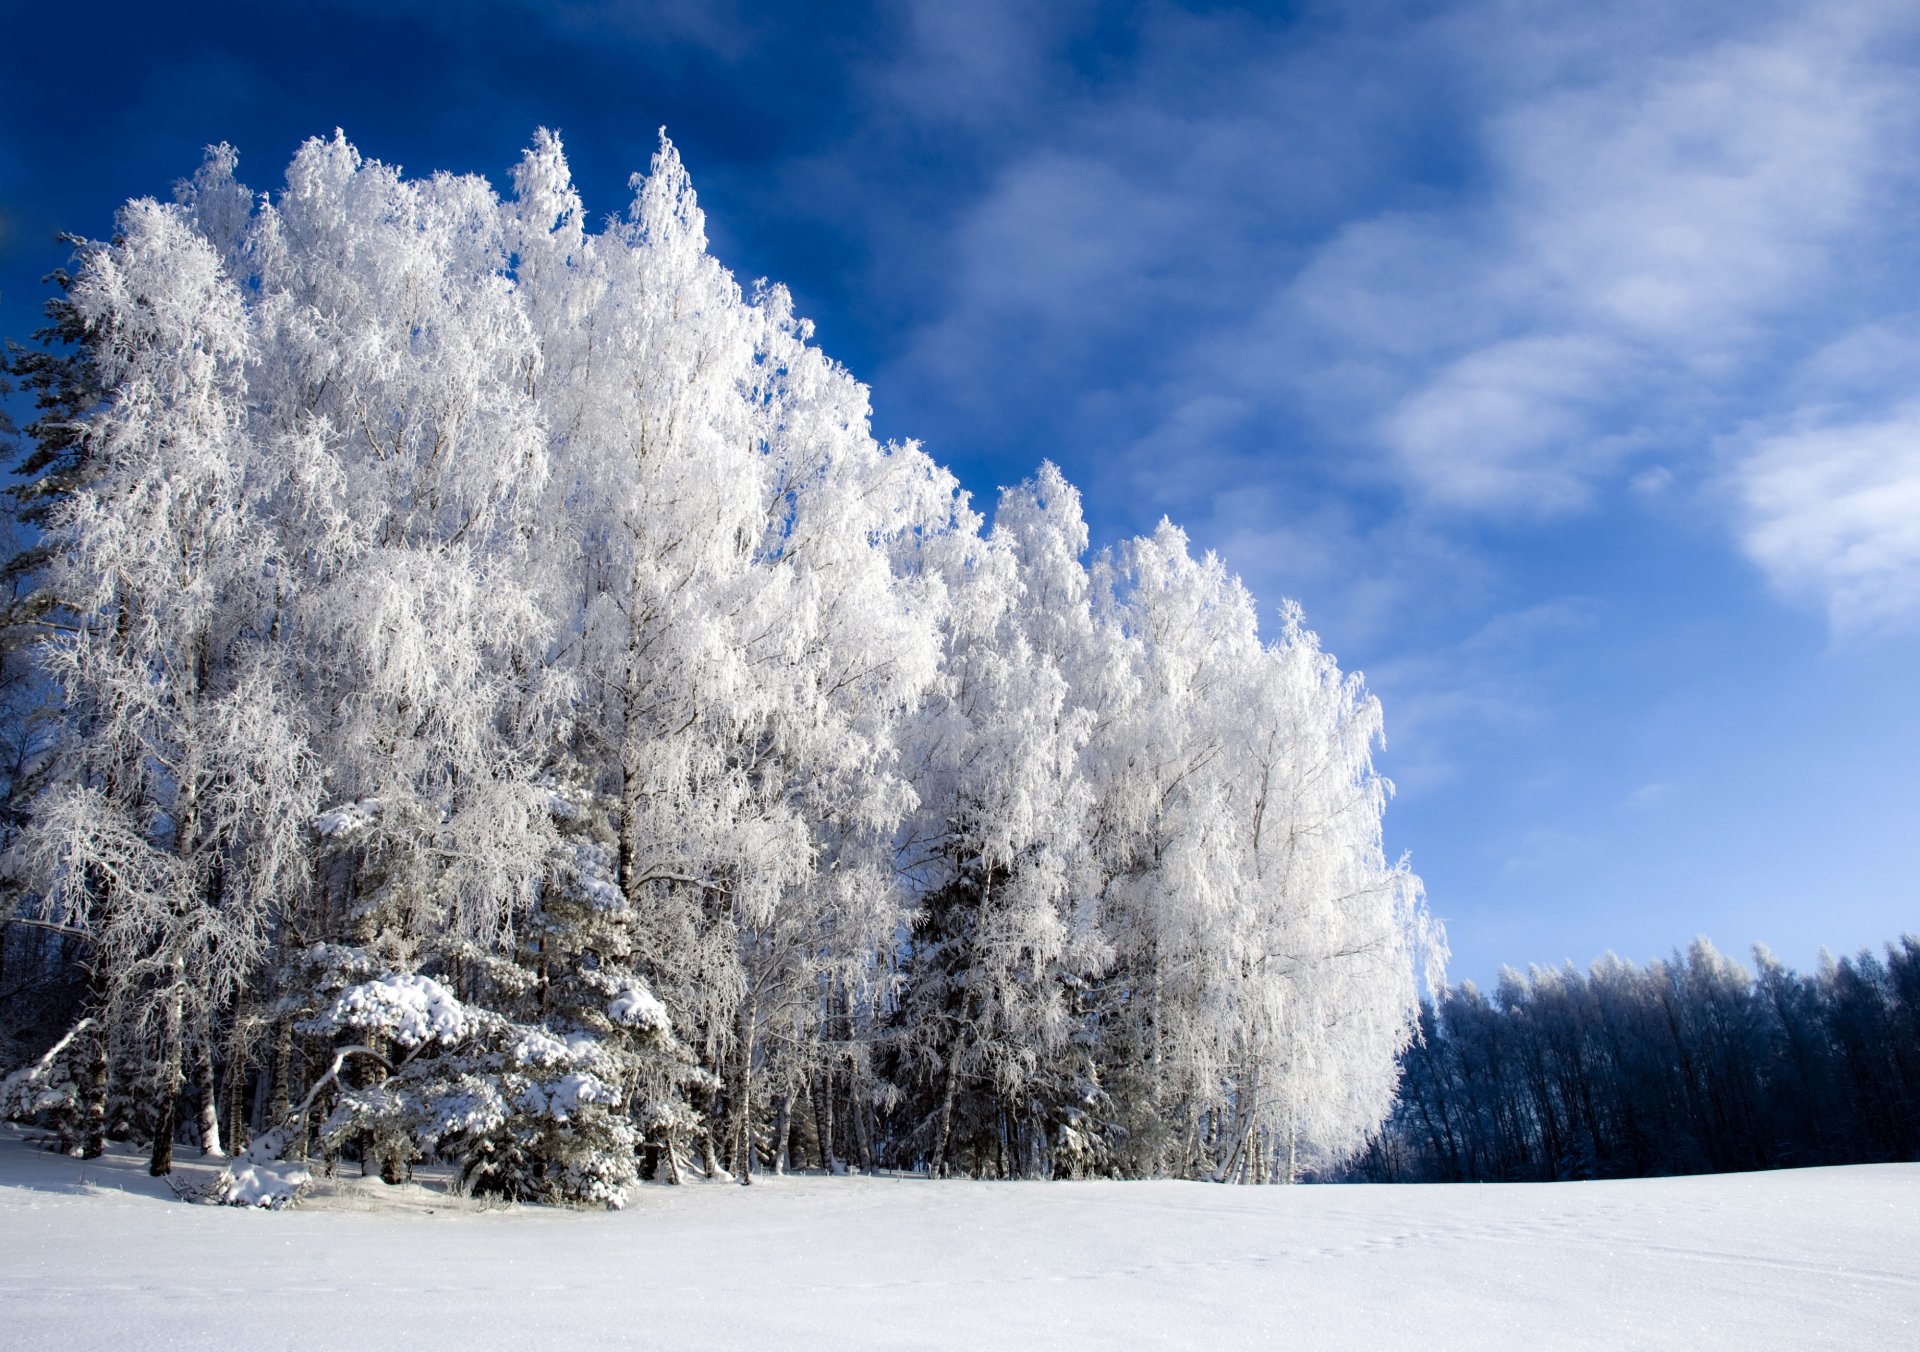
x=98, y=1255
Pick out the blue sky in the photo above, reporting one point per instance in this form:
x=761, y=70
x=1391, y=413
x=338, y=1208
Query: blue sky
x=1563, y=360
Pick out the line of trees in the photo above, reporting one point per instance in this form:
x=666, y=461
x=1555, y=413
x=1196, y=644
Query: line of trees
x=1693, y=1065
x=480, y=690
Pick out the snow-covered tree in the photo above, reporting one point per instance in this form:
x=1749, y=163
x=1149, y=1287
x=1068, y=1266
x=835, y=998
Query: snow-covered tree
x=174, y=830
x=997, y=849
x=1264, y=949
x=452, y=603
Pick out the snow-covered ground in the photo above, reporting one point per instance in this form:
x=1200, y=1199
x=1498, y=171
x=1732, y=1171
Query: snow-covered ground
x=97, y=1255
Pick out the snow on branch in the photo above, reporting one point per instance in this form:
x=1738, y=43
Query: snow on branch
x=407, y=1009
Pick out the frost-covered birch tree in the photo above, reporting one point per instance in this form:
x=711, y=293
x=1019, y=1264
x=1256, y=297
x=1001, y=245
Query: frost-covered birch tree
x=1264, y=949
x=997, y=848
x=173, y=830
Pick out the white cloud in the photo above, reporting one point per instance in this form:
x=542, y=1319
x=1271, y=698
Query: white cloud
x=1508, y=261
x=1649, y=795
x=975, y=64
x=1358, y=578
x=1545, y=850
x=1681, y=198
x=1047, y=268
x=1643, y=244
x=1653, y=482
x=1833, y=512
x=1511, y=423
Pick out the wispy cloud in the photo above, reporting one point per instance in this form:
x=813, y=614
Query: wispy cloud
x=1832, y=511
x=1640, y=247
x=1454, y=708
x=1498, y=262
x=1544, y=851
x=1649, y=796
x=1513, y=423
x=975, y=65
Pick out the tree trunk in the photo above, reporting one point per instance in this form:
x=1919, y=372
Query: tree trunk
x=632, y=765
x=823, y=1120
x=673, y=1158
x=172, y=1078
x=862, y=1110
x=160, y=1161
x=257, y=1119
x=782, y=1131
x=280, y=1097
x=743, y=1129
x=239, y=1126
x=92, y=1141
x=209, y=1103
x=709, y=1158
x=937, y=1166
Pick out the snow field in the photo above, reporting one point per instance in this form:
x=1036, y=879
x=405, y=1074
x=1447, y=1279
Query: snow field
x=97, y=1255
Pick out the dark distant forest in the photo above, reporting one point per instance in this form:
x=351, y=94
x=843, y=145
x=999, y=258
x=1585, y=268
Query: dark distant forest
x=1688, y=1066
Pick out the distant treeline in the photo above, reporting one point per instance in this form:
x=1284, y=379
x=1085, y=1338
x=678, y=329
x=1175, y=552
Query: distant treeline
x=1688, y=1066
